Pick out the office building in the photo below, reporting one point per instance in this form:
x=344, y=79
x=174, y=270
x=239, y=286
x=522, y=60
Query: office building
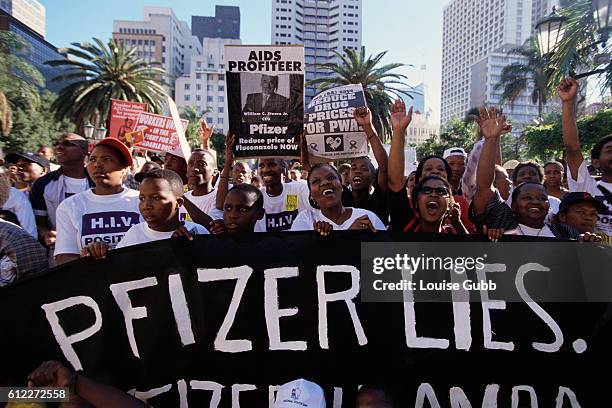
x=204, y=87
x=31, y=13
x=472, y=29
x=224, y=24
x=40, y=51
x=323, y=26
x=160, y=36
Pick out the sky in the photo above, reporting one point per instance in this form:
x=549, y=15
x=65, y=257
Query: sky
x=410, y=30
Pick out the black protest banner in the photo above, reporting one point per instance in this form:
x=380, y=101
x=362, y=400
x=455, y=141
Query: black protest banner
x=331, y=131
x=227, y=319
x=265, y=92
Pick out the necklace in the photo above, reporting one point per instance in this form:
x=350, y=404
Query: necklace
x=539, y=231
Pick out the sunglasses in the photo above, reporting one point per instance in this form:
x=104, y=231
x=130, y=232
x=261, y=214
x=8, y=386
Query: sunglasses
x=68, y=143
x=441, y=191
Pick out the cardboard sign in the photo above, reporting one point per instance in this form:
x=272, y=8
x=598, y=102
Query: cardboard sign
x=156, y=133
x=332, y=133
x=265, y=91
x=123, y=117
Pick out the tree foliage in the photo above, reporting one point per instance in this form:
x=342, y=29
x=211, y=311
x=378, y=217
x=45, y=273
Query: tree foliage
x=100, y=72
x=457, y=133
x=19, y=80
x=545, y=141
x=32, y=128
x=378, y=82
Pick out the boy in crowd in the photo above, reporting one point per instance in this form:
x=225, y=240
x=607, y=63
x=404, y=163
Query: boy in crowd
x=104, y=213
x=54, y=187
x=579, y=179
x=200, y=170
x=456, y=157
x=14, y=205
x=242, y=209
x=160, y=198
x=30, y=167
x=579, y=210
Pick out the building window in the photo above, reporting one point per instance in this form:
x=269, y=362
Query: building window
x=198, y=87
x=187, y=87
x=220, y=110
x=187, y=97
x=209, y=99
x=198, y=98
x=220, y=99
x=221, y=88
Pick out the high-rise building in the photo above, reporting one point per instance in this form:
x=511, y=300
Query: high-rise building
x=472, y=30
x=224, y=24
x=323, y=26
x=29, y=12
x=39, y=52
x=540, y=9
x=485, y=74
x=160, y=28
x=204, y=87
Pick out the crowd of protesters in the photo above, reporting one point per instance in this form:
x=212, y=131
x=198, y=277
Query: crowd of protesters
x=64, y=203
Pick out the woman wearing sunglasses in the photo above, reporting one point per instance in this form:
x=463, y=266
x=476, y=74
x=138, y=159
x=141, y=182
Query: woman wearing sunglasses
x=436, y=210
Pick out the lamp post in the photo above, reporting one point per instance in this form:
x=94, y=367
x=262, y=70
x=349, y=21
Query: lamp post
x=88, y=129
x=100, y=133
x=550, y=31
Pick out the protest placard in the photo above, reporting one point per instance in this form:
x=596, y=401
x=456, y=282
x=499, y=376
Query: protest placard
x=265, y=91
x=331, y=131
x=156, y=133
x=123, y=116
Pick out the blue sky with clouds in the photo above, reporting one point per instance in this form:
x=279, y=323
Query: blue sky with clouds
x=411, y=30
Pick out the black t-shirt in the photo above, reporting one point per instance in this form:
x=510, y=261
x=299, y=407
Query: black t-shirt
x=377, y=202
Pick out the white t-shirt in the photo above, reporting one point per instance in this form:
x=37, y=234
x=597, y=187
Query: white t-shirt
x=281, y=210
x=207, y=203
x=585, y=182
x=87, y=217
x=18, y=204
x=74, y=186
x=305, y=220
x=532, y=232
x=141, y=233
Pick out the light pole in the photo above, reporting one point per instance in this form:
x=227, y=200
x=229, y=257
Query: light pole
x=93, y=133
x=551, y=29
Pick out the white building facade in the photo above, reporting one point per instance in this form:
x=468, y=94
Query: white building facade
x=178, y=45
x=421, y=129
x=472, y=29
x=204, y=88
x=29, y=12
x=323, y=26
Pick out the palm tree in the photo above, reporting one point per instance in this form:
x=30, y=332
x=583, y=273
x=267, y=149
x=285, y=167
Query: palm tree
x=103, y=72
x=19, y=80
x=517, y=77
x=378, y=82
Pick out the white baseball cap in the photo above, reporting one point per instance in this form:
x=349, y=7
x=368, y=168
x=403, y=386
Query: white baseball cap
x=300, y=394
x=454, y=151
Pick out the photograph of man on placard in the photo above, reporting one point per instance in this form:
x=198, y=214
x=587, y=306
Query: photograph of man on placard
x=272, y=100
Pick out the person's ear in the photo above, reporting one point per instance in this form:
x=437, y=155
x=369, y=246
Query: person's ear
x=562, y=217
x=595, y=163
x=180, y=201
x=260, y=213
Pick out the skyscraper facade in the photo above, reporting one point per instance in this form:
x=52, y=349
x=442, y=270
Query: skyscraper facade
x=29, y=12
x=224, y=24
x=472, y=29
x=160, y=27
x=323, y=26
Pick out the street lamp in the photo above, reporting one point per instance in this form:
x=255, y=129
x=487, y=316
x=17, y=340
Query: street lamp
x=550, y=31
x=100, y=133
x=88, y=129
x=601, y=15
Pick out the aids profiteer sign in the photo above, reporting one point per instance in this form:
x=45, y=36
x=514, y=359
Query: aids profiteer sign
x=223, y=321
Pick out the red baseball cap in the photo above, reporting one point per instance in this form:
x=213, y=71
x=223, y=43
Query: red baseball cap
x=119, y=146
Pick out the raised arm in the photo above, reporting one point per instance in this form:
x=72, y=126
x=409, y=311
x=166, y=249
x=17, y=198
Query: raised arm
x=223, y=186
x=363, y=116
x=567, y=90
x=400, y=119
x=205, y=133
x=304, y=154
x=492, y=124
